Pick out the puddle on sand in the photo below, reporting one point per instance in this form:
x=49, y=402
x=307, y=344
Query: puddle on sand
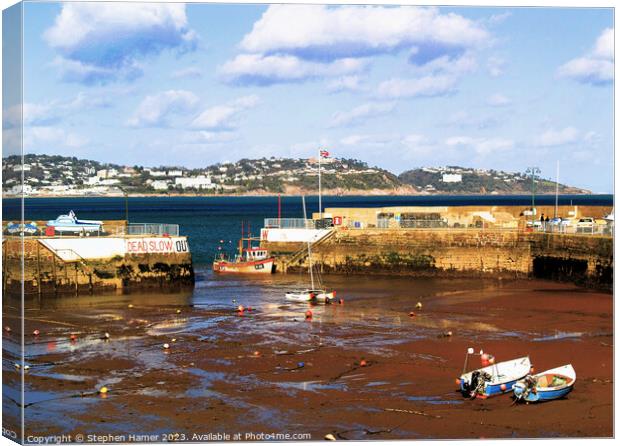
x=433, y=399
x=559, y=336
x=310, y=386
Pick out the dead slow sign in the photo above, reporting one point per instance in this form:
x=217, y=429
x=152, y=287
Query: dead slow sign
x=159, y=245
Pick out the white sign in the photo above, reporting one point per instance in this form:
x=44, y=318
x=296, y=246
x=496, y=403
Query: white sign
x=156, y=245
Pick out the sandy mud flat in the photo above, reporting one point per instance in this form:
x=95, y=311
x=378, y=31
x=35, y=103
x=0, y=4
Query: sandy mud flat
x=365, y=369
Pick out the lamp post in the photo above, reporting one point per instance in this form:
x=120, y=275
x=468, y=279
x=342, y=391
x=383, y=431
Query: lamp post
x=533, y=171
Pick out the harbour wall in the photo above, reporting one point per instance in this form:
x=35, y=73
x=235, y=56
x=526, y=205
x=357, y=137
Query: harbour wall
x=89, y=265
x=584, y=259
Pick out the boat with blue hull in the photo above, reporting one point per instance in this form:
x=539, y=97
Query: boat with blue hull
x=550, y=385
x=494, y=379
x=71, y=224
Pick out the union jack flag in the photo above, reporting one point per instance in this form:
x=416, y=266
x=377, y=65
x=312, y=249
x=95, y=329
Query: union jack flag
x=324, y=154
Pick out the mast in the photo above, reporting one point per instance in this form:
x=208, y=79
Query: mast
x=320, y=207
x=557, y=186
x=303, y=199
x=241, y=240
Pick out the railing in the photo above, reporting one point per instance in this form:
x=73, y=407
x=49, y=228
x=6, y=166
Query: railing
x=289, y=223
x=152, y=229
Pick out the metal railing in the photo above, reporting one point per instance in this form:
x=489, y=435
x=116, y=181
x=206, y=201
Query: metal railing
x=289, y=223
x=152, y=229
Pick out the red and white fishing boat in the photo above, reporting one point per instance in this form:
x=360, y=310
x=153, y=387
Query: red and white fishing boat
x=249, y=259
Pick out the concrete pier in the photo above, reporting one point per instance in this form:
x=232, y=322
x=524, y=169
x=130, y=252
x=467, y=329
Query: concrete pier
x=89, y=265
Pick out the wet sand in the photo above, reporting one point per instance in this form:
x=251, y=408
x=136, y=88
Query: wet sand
x=272, y=371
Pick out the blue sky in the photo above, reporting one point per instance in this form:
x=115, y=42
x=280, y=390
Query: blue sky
x=398, y=87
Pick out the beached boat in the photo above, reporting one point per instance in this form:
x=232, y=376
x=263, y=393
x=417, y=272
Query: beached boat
x=549, y=385
x=71, y=224
x=248, y=260
x=311, y=295
x=316, y=292
x=494, y=379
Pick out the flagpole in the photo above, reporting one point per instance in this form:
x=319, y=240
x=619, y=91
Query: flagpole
x=320, y=204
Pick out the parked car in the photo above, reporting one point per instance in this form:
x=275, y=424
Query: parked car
x=585, y=223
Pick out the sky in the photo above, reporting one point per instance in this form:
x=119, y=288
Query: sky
x=399, y=87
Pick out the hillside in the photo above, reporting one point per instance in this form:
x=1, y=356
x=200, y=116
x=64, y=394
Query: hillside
x=461, y=180
x=57, y=175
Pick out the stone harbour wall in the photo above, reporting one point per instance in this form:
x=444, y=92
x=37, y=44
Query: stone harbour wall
x=452, y=252
x=46, y=273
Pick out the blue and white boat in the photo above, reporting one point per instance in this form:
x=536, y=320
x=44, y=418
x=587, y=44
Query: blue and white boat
x=549, y=385
x=494, y=379
x=70, y=223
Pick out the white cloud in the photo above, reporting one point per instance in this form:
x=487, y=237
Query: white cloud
x=155, y=110
x=597, y=66
x=187, y=73
x=362, y=113
x=294, y=43
x=482, y=146
x=498, y=100
x=222, y=117
x=427, y=86
x=259, y=69
x=464, y=119
x=102, y=42
x=204, y=137
x=553, y=137
x=353, y=31
x=345, y=83
x=496, y=66
x=45, y=135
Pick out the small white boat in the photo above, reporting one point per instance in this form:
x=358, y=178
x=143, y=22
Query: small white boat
x=494, y=379
x=549, y=385
x=314, y=293
x=311, y=295
x=71, y=224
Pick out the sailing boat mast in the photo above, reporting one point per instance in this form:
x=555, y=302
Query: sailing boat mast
x=303, y=199
x=557, y=186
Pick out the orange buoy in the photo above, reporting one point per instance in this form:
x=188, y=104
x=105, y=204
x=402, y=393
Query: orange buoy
x=458, y=381
x=240, y=308
x=491, y=359
x=256, y=353
x=341, y=301
x=308, y=314
x=532, y=370
x=412, y=314
x=36, y=332
x=363, y=363
x=73, y=337
x=503, y=387
x=484, y=359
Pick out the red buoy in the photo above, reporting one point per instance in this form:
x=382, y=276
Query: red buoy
x=412, y=314
x=341, y=301
x=240, y=308
x=73, y=337
x=308, y=314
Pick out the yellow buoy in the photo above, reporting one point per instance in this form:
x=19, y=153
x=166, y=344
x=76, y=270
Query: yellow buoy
x=130, y=306
x=103, y=390
x=178, y=311
x=330, y=437
x=418, y=305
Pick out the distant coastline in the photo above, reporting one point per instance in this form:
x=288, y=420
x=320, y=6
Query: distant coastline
x=355, y=193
